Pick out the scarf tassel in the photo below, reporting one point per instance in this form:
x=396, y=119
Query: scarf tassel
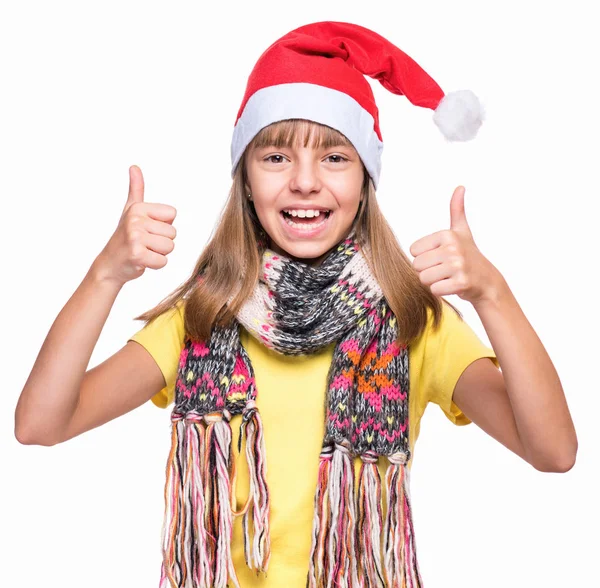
x=259, y=497
x=198, y=522
x=342, y=536
x=333, y=554
x=400, y=552
x=369, y=523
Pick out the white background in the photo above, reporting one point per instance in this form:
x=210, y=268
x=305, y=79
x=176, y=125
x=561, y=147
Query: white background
x=89, y=89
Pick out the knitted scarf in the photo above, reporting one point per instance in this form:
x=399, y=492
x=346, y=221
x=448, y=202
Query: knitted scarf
x=296, y=309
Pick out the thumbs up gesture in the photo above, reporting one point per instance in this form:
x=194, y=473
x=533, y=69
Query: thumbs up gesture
x=449, y=261
x=143, y=237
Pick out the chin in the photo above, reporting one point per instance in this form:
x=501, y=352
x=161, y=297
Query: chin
x=310, y=253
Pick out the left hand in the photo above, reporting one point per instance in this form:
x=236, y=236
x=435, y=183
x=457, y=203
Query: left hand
x=449, y=261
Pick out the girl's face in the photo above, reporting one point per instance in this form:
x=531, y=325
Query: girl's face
x=293, y=178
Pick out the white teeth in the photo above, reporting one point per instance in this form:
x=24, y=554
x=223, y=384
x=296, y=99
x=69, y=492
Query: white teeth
x=304, y=226
x=305, y=213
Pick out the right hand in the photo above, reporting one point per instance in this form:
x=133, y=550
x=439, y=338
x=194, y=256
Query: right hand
x=143, y=238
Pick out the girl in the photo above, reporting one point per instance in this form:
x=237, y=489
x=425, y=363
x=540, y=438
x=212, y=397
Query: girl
x=306, y=329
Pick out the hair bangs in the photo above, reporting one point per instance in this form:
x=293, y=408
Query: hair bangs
x=296, y=132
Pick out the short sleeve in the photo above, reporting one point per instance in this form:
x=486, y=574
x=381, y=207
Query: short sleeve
x=448, y=352
x=163, y=338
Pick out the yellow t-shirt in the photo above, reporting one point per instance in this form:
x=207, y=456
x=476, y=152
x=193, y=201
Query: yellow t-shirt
x=290, y=398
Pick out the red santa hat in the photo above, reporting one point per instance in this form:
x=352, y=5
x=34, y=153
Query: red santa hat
x=316, y=72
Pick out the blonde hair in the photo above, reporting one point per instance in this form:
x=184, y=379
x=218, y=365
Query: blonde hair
x=237, y=239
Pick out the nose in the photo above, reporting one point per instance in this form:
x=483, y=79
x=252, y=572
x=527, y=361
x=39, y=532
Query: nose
x=305, y=175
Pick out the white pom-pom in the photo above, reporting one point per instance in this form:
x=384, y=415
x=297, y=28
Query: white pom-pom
x=459, y=115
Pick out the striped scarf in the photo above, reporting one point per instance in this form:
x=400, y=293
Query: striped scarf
x=296, y=309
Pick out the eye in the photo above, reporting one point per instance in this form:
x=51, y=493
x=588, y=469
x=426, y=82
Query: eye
x=269, y=157
x=340, y=157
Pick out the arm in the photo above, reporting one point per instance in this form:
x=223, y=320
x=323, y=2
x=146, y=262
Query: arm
x=533, y=418
x=58, y=383
x=524, y=407
x=51, y=393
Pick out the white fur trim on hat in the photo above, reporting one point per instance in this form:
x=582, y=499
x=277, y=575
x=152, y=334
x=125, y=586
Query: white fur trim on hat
x=313, y=102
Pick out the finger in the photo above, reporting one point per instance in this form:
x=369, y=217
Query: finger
x=458, y=216
x=136, y=186
x=162, y=228
x=436, y=273
x=426, y=243
x=160, y=212
x=430, y=258
x=158, y=244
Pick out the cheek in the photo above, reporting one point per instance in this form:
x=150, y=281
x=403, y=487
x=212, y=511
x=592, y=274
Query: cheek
x=347, y=190
x=266, y=195
x=350, y=204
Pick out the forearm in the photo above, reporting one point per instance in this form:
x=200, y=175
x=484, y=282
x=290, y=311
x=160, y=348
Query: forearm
x=51, y=392
x=538, y=401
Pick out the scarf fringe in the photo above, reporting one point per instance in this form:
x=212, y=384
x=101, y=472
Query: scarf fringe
x=333, y=558
x=197, y=550
x=259, y=496
x=347, y=531
x=400, y=552
x=369, y=523
x=318, y=560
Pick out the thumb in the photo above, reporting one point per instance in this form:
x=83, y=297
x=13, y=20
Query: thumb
x=458, y=218
x=136, y=186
